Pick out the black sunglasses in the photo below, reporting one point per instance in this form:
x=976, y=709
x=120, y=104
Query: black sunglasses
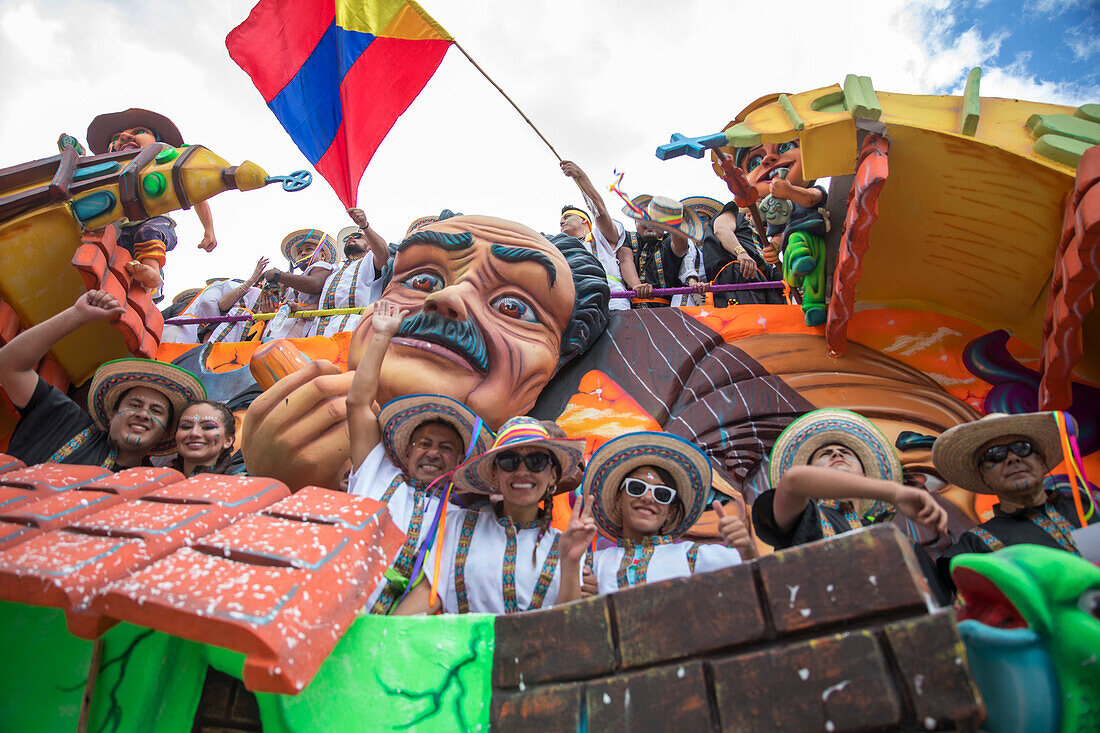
x=997, y=453
x=661, y=494
x=509, y=461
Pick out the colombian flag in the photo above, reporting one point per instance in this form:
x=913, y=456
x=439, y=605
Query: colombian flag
x=338, y=74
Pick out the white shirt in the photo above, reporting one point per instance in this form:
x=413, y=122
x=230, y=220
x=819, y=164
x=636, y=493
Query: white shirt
x=205, y=305
x=668, y=561
x=371, y=479
x=296, y=327
x=355, y=284
x=605, y=253
x=691, y=265
x=234, y=331
x=484, y=565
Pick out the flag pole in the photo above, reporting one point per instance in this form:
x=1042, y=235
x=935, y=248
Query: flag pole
x=516, y=106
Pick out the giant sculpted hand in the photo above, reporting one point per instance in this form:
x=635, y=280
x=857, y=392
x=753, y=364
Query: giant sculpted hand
x=297, y=430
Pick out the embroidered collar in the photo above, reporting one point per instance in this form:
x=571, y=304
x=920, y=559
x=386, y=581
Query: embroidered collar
x=652, y=541
x=1052, y=495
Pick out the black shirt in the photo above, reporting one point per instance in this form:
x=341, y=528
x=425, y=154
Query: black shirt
x=722, y=268
x=50, y=420
x=807, y=528
x=655, y=261
x=1018, y=528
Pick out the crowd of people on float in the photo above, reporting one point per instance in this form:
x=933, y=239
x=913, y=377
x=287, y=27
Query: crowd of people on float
x=476, y=507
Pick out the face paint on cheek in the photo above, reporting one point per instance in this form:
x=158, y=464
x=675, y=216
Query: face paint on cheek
x=156, y=420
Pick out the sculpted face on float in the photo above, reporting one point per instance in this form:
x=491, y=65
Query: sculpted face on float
x=761, y=162
x=489, y=301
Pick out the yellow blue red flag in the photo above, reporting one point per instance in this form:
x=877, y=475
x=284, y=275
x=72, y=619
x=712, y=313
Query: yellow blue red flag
x=338, y=74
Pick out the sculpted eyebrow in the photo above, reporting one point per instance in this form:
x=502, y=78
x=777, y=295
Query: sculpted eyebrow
x=448, y=242
x=522, y=254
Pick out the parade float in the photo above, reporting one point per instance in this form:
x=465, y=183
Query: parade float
x=957, y=275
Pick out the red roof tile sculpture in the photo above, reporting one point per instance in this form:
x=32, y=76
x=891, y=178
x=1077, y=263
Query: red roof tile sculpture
x=233, y=561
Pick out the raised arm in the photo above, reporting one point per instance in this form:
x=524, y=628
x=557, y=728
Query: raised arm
x=230, y=299
x=572, y=545
x=362, y=422
x=21, y=355
x=378, y=246
x=311, y=284
x=595, y=202
x=801, y=484
x=206, y=218
x=679, y=244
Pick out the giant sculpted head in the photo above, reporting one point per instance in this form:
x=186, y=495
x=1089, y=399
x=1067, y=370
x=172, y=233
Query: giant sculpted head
x=494, y=309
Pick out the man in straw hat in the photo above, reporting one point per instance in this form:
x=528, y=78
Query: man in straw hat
x=606, y=240
x=1008, y=455
x=356, y=283
x=314, y=253
x=660, y=244
x=403, y=455
x=150, y=239
x=134, y=403
x=833, y=471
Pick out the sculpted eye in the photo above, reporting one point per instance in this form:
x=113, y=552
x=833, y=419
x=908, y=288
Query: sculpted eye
x=784, y=147
x=753, y=162
x=513, y=307
x=425, y=282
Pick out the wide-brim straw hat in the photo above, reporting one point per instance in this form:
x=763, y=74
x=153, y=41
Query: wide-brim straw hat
x=327, y=244
x=666, y=214
x=954, y=452
x=345, y=233
x=400, y=417
x=112, y=380
x=704, y=206
x=106, y=126
x=802, y=438
x=690, y=469
x=476, y=474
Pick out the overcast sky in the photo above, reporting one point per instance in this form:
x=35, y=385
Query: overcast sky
x=607, y=81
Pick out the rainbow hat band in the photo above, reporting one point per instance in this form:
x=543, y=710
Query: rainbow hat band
x=115, y=378
x=326, y=247
x=802, y=438
x=616, y=459
x=955, y=452
x=476, y=474
x=703, y=206
x=666, y=214
x=400, y=417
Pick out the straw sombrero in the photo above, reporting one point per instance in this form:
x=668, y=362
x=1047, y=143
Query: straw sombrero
x=689, y=466
x=112, y=380
x=703, y=206
x=327, y=244
x=105, y=126
x=666, y=214
x=797, y=444
x=476, y=474
x=953, y=453
x=400, y=417
x=345, y=233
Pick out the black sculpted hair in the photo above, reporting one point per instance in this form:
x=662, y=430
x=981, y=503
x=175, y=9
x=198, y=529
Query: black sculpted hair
x=590, y=309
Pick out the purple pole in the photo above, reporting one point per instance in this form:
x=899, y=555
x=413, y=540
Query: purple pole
x=713, y=288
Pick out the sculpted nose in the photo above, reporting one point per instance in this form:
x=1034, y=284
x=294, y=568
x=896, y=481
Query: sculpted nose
x=447, y=302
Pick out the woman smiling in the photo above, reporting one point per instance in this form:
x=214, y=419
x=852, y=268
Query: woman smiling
x=505, y=558
x=204, y=439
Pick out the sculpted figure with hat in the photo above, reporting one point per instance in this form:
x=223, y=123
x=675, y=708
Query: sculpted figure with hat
x=133, y=403
x=1010, y=455
x=493, y=310
x=149, y=240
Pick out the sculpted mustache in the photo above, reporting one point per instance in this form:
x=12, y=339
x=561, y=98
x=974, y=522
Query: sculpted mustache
x=461, y=336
